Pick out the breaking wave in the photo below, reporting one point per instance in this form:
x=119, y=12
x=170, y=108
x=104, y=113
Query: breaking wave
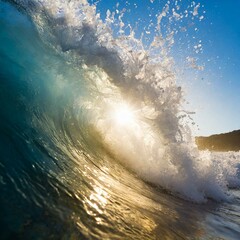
x=92, y=111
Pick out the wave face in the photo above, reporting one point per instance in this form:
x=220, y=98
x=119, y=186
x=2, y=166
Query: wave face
x=94, y=140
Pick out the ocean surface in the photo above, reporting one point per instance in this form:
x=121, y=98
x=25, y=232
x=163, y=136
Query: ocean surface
x=94, y=141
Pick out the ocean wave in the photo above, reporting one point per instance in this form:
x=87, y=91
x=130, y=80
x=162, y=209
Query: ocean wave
x=96, y=80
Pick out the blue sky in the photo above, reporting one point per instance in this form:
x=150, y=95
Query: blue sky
x=214, y=93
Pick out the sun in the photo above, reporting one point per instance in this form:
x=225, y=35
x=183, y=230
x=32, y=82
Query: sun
x=123, y=114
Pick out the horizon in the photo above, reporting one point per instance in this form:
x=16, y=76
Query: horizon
x=217, y=134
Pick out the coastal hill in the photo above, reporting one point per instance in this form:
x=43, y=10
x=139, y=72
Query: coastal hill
x=220, y=142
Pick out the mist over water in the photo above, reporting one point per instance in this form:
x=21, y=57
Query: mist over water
x=95, y=142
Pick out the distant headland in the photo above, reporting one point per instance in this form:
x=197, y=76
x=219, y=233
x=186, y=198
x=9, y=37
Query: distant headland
x=220, y=142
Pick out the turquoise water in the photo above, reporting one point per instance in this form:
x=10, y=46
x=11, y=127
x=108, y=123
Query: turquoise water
x=73, y=169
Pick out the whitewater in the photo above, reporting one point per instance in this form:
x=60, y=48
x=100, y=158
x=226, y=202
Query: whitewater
x=95, y=142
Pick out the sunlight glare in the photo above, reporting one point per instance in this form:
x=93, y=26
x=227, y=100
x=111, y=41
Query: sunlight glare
x=123, y=115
